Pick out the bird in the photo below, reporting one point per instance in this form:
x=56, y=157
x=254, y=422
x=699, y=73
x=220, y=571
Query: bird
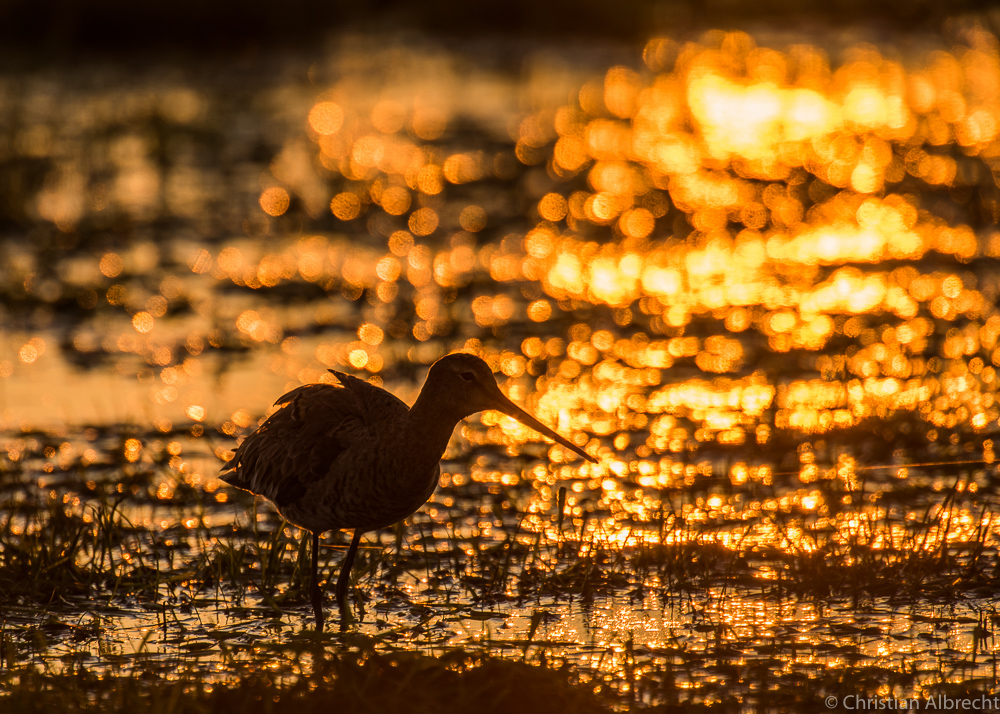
x=355, y=457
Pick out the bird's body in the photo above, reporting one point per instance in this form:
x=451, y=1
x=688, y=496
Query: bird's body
x=324, y=458
x=356, y=457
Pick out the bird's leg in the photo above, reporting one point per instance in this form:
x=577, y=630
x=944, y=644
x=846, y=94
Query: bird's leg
x=345, y=574
x=314, y=592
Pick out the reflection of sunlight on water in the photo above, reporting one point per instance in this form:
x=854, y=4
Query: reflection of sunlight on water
x=758, y=283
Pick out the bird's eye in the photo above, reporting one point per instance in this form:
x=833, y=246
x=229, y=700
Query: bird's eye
x=468, y=376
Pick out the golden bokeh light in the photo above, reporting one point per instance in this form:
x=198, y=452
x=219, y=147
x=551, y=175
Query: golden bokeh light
x=143, y=322
x=472, y=219
x=345, y=206
x=274, y=201
x=758, y=283
x=111, y=265
x=395, y=201
x=423, y=221
x=326, y=118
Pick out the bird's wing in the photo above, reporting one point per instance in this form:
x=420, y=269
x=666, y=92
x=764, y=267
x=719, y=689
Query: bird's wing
x=297, y=445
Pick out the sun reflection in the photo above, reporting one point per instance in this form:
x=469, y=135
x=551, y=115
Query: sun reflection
x=758, y=283
x=767, y=189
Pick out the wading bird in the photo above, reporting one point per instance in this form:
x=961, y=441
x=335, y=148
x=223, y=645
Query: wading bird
x=356, y=457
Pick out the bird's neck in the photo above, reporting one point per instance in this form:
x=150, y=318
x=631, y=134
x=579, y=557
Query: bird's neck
x=429, y=426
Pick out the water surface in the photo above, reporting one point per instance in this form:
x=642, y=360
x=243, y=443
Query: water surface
x=755, y=276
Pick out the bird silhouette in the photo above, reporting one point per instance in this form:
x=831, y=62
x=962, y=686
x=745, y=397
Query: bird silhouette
x=356, y=457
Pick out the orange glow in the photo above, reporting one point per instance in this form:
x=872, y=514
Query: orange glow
x=326, y=118
x=461, y=168
x=111, y=265
x=430, y=180
x=370, y=334
x=540, y=311
x=395, y=201
x=143, y=322
x=552, y=207
x=388, y=116
x=345, y=206
x=30, y=352
x=133, y=449
x=274, y=201
x=758, y=283
x=472, y=219
x=423, y=221
x=429, y=122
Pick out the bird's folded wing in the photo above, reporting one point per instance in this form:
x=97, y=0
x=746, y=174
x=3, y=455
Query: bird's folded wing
x=297, y=444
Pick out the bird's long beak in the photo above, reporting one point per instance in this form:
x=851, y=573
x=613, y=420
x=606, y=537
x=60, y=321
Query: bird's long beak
x=502, y=404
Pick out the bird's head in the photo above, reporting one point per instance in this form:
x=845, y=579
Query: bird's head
x=470, y=387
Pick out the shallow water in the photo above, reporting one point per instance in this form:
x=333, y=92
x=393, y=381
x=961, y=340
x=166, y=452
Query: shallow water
x=756, y=278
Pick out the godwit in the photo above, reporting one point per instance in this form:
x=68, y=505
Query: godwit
x=356, y=457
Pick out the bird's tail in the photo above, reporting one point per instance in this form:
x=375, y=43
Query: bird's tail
x=231, y=474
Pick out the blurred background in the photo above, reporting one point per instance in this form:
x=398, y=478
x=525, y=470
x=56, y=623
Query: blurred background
x=745, y=253
x=52, y=28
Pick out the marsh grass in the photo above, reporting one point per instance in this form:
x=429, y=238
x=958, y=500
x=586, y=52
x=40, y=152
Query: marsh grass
x=221, y=583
